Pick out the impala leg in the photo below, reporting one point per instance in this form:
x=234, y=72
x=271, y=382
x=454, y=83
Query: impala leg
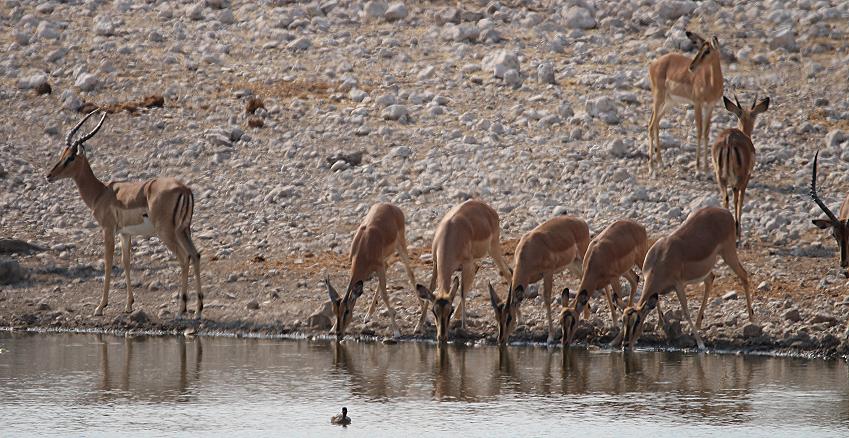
x=547, y=283
x=381, y=286
x=708, y=286
x=658, y=108
x=680, y=290
x=108, y=253
x=610, y=304
x=411, y=276
x=739, y=195
x=184, y=239
x=467, y=279
x=729, y=254
x=633, y=279
x=706, y=116
x=126, y=253
x=661, y=319
x=170, y=240
x=699, y=120
x=373, y=306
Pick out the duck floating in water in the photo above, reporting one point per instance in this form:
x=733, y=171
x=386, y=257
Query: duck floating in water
x=341, y=419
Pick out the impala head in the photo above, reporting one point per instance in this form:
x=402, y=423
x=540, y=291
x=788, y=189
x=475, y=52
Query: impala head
x=507, y=311
x=442, y=306
x=73, y=153
x=746, y=116
x=633, y=319
x=708, y=50
x=839, y=228
x=568, y=319
x=343, y=308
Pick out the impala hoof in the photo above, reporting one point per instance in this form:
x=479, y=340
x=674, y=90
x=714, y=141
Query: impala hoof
x=128, y=309
x=98, y=311
x=199, y=316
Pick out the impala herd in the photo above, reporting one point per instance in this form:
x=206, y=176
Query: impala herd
x=471, y=230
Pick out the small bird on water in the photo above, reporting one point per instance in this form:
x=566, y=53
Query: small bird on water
x=341, y=419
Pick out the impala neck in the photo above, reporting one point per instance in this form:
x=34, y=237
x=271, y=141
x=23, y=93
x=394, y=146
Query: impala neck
x=90, y=187
x=716, y=73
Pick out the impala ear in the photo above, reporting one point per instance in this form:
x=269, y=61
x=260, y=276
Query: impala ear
x=714, y=42
x=455, y=286
x=822, y=223
x=564, y=297
x=424, y=293
x=331, y=291
x=731, y=106
x=493, y=297
x=695, y=38
x=761, y=106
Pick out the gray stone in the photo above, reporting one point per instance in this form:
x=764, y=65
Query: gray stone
x=375, y=9
x=752, y=331
x=732, y=295
x=617, y=148
x=11, y=272
x=394, y=112
x=252, y=305
x=792, y=315
x=835, y=138
x=87, y=82
x=32, y=82
x=500, y=62
x=577, y=17
x=462, y=32
x=139, y=317
x=513, y=78
x=395, y=11
x=783, y=39
x=299, y=44
x=195, y=12
x=322, y=318
x=545, y=73
x=675, y=9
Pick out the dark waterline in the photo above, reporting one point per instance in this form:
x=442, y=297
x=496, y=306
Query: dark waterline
x=73, y=384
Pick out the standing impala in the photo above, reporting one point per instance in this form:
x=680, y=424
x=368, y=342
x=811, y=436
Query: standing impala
x=379, y=237
x=159, y=206
x=556, y=244
x=839, y=224
x=467, y=233
x=734, y=154
x=676, y=78
x=687, y=256
x=611, y=255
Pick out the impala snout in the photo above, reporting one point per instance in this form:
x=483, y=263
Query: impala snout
x=631, y=324
x=568, y=322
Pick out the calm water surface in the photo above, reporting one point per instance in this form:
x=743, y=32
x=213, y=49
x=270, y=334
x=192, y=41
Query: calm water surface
x=96, y=385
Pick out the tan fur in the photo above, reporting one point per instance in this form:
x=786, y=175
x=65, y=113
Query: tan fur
x=677, y=78
x=734, y=156
x=119, y=207
x=686, y=256
x=380, y=236
x=467, y=233
x=553, y=246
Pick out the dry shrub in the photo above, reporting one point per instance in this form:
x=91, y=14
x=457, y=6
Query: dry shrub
x=253, y=104
x=255, y=122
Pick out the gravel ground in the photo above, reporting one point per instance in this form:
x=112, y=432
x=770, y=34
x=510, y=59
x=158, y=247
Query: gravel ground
x=290, y=119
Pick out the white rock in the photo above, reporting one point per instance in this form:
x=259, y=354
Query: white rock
x=299, y=44
x=513, y=78
x=394, y=112
x=401, y=152
x=87, y=82
x=500, y=62
x=47, y=30
x=461, y=33
x=835, y=137
x=226, y=17
x=357, y=95
x=395, y=11
x=34, y=81
x=375, y=8
x=195, y=11
x=674, y=9
x=103, y=26
x=578, y=17
x=783, y=39
x=617, y=148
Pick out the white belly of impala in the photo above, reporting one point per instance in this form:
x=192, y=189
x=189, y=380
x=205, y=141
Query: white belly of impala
x=143, y=229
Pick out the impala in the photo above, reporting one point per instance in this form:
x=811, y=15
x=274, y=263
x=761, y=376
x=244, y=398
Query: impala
x=159, y=206
x=467, y=233
x=676, y=78
x=687, y=256
x=611, y=255
x=839, y=224
x=734, y=154
x=553, y=246
x=379, y=237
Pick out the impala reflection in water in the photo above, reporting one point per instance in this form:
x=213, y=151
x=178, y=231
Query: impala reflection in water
x=104, y=385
